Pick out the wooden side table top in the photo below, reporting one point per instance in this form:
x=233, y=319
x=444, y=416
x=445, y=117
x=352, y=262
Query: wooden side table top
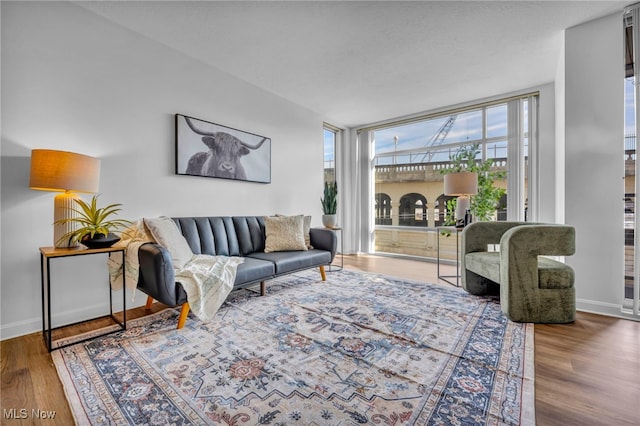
x=76, y=251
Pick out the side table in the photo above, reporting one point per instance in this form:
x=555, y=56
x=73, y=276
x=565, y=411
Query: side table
x=48, y=253
x=336, y=268
x=455, y=232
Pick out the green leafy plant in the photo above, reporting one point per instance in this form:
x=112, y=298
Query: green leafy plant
x=92, y=220
x=486, y=201
x=449, y=216
x=330, y=199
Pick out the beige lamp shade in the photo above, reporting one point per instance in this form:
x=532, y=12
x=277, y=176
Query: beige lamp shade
x=462, y=183
x=64, y=171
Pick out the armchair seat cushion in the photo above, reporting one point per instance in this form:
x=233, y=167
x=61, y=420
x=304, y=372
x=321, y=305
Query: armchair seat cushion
x=551, y=273
x=554, y=274
x=486, y=264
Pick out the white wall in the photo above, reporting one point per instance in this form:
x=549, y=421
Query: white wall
x=594, y=160
x=547, y=173
x=559, y=148
x=74, y=81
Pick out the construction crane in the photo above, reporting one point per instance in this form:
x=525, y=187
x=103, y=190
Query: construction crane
x=438, y=138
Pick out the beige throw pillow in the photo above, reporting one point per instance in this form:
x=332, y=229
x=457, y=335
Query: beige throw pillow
x=166, y=233
x=306, y=229
x=284, y=233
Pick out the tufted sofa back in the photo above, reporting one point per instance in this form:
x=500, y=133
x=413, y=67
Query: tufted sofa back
x=223, y=235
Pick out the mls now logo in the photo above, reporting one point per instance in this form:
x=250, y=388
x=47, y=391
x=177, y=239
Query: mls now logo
x=23, y=413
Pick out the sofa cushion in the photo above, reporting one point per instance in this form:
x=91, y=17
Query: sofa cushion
x=284, y=233
x=290, y=261
x=250, y=233
x=167, y=234
x=254, y=270
x=210, y=235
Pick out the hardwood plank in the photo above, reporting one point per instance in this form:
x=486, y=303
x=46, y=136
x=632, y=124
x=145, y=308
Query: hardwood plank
x=587, y=373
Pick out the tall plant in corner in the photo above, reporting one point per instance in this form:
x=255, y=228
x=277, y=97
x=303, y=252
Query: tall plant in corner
x=485, y=203
x=330, y=204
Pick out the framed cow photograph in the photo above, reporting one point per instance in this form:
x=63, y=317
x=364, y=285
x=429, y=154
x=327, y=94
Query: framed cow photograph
x=211, y=150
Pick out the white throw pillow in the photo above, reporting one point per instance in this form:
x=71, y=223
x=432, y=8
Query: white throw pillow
x=166, y=233
x=284, y=233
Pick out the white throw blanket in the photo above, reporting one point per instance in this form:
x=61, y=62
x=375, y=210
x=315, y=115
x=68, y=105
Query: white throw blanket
x=207, y=280
x=131, y=239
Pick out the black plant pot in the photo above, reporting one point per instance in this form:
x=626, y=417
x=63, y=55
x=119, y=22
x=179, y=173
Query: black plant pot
x=99, y=240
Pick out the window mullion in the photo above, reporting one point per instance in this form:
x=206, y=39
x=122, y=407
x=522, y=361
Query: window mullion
x=515, y=161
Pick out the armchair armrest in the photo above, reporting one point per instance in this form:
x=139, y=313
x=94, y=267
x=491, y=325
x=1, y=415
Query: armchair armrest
x=538, y=239
x=157, y=277
x=520, y=295
x=477, y=235
x=324, y=239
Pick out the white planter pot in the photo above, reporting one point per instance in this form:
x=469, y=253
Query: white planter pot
x=329, y=220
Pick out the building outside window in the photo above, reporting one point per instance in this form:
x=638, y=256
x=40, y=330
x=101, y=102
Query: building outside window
x=409, y=158
x=631, y=286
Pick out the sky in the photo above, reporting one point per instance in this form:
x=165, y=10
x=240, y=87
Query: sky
x=467, y=125
x=629, y=111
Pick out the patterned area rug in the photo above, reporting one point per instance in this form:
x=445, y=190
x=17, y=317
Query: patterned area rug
x=357, y=349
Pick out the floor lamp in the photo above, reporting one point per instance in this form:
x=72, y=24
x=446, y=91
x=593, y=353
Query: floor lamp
x=68, y=173
x=462, y=185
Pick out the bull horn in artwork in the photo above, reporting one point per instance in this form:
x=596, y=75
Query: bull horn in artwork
x=196, y=130
x=256, y=146
x=203, y=133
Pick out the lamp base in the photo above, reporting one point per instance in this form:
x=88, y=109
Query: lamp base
x=63, y=208
x=462, y=205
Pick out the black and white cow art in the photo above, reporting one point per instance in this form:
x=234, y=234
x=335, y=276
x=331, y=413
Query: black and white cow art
x=223, y=157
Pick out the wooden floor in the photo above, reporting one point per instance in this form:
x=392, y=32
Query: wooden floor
x=587, y=373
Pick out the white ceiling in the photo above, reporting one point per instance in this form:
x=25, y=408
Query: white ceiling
x=361, y=62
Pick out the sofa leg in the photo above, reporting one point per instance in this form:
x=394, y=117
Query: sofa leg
x=263, y=288
x=149, y=303
x=323, y=274
x=184, y=313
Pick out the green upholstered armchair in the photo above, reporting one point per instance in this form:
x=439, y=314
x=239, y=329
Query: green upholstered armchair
x=532, y=288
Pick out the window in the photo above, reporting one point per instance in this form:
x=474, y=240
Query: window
x=413, y=210
x=409, y=158
x=383, y=209
x=631, y=284
x=330, y=136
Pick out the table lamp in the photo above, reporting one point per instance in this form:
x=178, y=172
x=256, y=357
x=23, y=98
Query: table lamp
x=68, y=173
x=462, y=185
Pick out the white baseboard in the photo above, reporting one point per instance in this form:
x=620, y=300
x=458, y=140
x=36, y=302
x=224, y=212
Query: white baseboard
x=20, y=328
x=608, y=309
x=34, y=325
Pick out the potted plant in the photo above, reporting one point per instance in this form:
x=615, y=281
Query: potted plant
x=95, y=224
x=485, y=202
x=330, y=204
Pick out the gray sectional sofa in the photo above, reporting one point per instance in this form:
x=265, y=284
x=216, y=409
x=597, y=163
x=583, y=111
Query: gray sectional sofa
x=229, y=236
